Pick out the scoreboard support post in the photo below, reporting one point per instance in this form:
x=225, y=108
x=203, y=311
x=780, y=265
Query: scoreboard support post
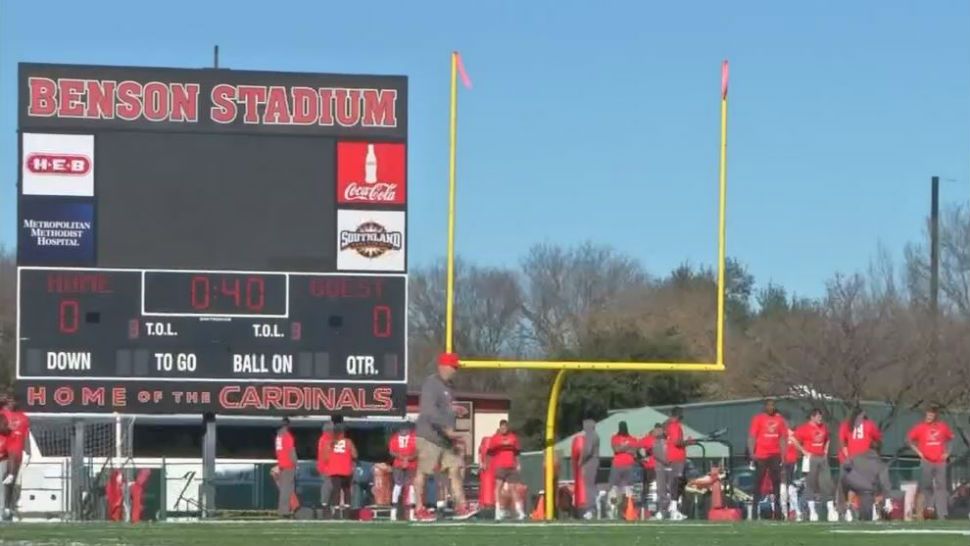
x=78, y=483
x=207, y=504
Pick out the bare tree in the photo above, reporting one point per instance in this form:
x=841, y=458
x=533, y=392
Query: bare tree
x=953, y=347
x=954, y=263
x=488, y=319
x=563, y=287
x=858, y=343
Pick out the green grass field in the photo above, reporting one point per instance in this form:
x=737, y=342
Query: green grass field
x=446, y=534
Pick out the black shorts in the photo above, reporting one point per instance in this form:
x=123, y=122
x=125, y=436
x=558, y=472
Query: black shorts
x=789, y=469
x=509, y=475
x=339, y=484
x=402, y=476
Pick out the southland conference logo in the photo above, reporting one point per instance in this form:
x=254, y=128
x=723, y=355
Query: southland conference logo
x=371, y=240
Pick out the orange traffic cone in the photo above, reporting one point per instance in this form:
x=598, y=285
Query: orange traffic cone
x=539, y=514
x=630, y=514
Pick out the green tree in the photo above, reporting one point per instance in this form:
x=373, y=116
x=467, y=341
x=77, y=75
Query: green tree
x=772, y=300
x=738, y=289
x=594, y=394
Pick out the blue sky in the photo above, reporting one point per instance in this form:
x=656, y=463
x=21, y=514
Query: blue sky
x=598, y=120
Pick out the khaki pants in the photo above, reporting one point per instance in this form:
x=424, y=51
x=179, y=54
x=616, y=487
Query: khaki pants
x=818, y=483
x=431, y=456
x=326, y=489
x=933, y=486
x=287, y=487
x=3, y=488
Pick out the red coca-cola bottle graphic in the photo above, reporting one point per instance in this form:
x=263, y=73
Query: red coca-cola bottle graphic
x=370, y=172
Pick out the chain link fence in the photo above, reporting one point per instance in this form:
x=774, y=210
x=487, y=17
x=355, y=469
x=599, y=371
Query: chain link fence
x=77, y=458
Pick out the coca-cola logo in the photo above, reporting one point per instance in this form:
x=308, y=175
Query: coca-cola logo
x=63, y=164
x=379, y=192
x=371, y=173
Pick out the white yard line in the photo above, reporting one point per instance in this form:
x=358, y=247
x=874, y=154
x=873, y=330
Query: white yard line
x=959, y=532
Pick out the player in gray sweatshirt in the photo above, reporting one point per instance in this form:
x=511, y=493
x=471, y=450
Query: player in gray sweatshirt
x=590, y=463
x=867, y=475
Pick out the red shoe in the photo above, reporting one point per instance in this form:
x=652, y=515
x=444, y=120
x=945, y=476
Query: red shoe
x=464, y=512
x=424, y=515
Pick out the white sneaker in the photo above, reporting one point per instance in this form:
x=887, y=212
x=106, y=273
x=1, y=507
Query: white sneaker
x=588, y=516
x=798, y=516
x=848, y=516
x=888, y=506
x=659, y=516
x=520, y=516
x=833, y=516
x=813, y=516
x=677, y=516
x=393, y=514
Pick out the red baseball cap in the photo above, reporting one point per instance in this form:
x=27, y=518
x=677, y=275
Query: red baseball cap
x=449, y=359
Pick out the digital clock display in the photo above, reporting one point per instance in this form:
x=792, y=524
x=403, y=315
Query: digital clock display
x=207, y=293
x=166, y=341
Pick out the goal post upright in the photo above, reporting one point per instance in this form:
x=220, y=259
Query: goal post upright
x=561, y=367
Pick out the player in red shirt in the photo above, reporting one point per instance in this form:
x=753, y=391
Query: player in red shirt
x=812, y=439
x=931, y=441
x=404, y=448
x=286, y=463
x=503, y=451
x=767, y=440
x=343, y=456
x=621, y=471
x=324, y=445
x=649, y=462
x=19, y=438
x=857, y=435
x=4, y=439
x=789, y=493
x=652, y=444
x=676, y=454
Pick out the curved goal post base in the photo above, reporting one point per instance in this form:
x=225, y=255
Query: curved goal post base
x=549, y=456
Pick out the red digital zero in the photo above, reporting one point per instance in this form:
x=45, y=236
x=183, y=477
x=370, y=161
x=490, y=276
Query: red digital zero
x=371, y=173
x=61, y=164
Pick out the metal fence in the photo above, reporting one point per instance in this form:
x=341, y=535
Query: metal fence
x=75, y=460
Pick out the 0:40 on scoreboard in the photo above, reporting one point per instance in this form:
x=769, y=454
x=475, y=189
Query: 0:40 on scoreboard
x=212, y=326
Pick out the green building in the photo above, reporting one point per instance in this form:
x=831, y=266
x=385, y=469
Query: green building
x=734, y=417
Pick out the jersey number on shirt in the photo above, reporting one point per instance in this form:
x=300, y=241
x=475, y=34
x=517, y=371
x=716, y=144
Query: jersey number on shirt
x=279, y=443
x=859, y=432
x=403, y=441
x=340, y=446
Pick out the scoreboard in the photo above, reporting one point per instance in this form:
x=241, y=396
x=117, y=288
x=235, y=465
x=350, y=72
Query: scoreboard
x=218, y=241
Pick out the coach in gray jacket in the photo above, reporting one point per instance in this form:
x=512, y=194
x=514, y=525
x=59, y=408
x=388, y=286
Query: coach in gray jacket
x=866, y=475
x=437, y=441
